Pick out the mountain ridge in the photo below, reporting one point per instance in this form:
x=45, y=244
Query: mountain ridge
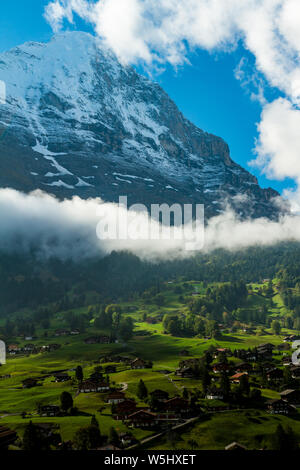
x=78, y=122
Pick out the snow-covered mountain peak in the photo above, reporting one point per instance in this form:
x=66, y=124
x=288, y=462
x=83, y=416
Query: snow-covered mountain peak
x=77, y=121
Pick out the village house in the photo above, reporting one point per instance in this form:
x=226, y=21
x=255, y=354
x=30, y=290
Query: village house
x=274, y=375
x=291, y=396
x=265, y=351
x=104, y=340
x=214, y=394
x=14, y=349
x=283, y=347
x=221, y=367
x=220, y=351
x=159, y=395
x=175, y=407
x=61, y=332
x=92, y=340
x=142, y=419
x=251, y=356
x=4, y=377
x=54, y=347
x=138, y=364
x=109, y=447
x=127, y=439
x=7, y=437
x=151, y=320
x=115, y=398
x=243, y=367
x=75, y=332
x=97, y=340
x=235, y=446
x=286, y=360
x=295, y=371
x=291, y=338
x=29, y=347
x=124, y=409
x=89, y=386
x=61, y=377
x=185, y=372
x=49, y=410
x=236, y=378
x=280, y=406
x=29, y=383
x=29, y=338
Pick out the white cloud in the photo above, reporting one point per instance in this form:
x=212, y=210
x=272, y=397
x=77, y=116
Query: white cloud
x=67, y=229
x=147, y=30
x=279, y=143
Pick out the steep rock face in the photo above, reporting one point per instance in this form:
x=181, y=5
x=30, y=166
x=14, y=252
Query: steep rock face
x=77, y=122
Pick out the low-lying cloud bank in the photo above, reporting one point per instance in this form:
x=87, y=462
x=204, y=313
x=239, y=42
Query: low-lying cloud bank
x=68, y=229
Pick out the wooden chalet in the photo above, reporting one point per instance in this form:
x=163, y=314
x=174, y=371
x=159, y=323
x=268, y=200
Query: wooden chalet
x=185, y=372
x=115, y=398
x=49, y=410
x=236, y=378
x=291, y=396
x=177, y=407
x=214, y=393
x=159, y=395
x=138, y=364
x=29, y=383
x=61, y=377
x=221, y=367
x=7, y=437
x=123, y=410
x=235, y=446
x=274, y=375
x=143, y=419
x=89, y=386
x=280, y=406
x=243, y=367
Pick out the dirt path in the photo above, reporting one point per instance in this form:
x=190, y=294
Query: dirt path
x=124, y=386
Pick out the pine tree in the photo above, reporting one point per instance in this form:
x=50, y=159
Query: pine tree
x=79, y=374
x=225, y=385
x=66, y=401
x=113, y=437
x=32, y=439
x=142, y=391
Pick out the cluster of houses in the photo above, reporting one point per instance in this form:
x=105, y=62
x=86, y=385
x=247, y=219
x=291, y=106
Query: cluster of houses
x=167, y=410
x=254, y=363
x=15, y=349
x=98, y=340
x=64, y=332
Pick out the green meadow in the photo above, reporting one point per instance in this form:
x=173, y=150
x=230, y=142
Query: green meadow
x=149, y=343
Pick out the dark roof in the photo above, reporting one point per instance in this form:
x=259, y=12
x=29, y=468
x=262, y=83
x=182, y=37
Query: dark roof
x=288, y=392
x=235, y=446
x=7, y=437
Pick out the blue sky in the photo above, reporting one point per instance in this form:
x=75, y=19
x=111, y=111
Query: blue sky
x=206, y=91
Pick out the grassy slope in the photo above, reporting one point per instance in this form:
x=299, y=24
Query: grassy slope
x=163, y=350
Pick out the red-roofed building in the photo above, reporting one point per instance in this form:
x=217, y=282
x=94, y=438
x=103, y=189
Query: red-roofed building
x=237, y=377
